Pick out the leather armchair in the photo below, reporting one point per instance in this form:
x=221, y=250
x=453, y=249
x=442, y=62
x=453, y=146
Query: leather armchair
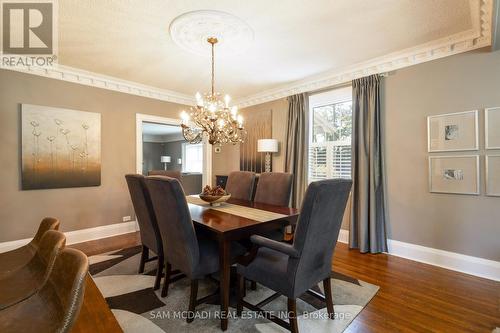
x=27, y=280
x=56, y=306
x=12, y=260
x=292, y=269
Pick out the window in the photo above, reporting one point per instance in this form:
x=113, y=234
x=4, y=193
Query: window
x=192, y=157
x=330, y=134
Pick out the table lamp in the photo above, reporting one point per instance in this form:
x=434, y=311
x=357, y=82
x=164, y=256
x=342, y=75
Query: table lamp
x=165, y=160
x=267, y=146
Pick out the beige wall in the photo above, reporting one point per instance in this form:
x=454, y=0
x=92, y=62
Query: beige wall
x=77, y=208
x=463, y=224
x=458, y=223
x=229, y=158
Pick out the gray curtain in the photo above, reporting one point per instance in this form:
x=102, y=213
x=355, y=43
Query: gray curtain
x=297, y=145
x=367, y=229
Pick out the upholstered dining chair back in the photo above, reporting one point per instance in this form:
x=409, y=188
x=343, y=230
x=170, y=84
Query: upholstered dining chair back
x=317, y=231
x=167, y=173
x=274, y=188
x=180, y=244
x=141, y=200
x=240, y=184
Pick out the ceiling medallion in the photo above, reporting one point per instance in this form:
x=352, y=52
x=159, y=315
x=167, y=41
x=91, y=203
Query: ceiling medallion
x=212, y=117
x=191, y=30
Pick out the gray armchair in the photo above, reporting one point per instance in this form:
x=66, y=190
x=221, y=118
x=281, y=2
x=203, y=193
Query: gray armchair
x=194, y=256
x=148, y=227
x=292, y=269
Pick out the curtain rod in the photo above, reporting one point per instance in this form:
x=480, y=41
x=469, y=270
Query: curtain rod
x=342, y=85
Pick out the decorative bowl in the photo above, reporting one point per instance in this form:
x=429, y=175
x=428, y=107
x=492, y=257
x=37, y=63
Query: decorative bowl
x=214, y=200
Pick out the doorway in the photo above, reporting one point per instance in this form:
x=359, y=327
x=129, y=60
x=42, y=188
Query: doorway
x=161, y=146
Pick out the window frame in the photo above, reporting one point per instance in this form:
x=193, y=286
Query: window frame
x=322, y=99
x=184, y=159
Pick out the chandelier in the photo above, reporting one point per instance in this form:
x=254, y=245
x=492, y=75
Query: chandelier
x=213, y=117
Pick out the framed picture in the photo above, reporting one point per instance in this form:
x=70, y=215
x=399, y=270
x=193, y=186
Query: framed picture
x=60, y=148
x=453, y=132
x=493, y=175
x=492, y=128
x=454, y=174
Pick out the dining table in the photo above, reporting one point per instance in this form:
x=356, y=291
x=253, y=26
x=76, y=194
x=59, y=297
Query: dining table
x=235, y=220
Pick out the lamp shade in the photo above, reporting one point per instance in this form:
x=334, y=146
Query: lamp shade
x=267, y=146
x=165, y=159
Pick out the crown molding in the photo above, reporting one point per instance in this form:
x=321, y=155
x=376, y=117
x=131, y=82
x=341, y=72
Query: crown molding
x=75, y=75
x=477, y=37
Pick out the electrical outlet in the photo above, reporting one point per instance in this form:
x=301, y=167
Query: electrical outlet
x=126, y=218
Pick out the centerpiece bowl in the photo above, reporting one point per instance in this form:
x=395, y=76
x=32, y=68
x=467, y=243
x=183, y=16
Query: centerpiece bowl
x=214, y=196
x=215, y=200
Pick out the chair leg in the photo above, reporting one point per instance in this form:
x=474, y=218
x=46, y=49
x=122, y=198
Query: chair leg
x=144, y=258
x=159, y=272
x=292, y=315
x=240, y=294
x=192, y=301
x=253, y=285
x=327, y=286
x=168, y=270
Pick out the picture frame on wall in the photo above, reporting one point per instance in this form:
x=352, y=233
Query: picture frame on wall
x=493, y=175
x=492, y=128
x=60, y=148
x=454, y=174
x=453, y=132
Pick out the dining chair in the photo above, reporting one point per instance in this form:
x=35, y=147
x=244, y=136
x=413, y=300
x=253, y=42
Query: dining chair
x=240, y=184
x=148, y=226
x=12, y=260
x=274, y=188
x=168, y=173
x=27, y=280
x=194, y=256
x=56, y=306
x=292, y=269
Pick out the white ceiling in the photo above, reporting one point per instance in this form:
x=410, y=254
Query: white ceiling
x=294, y=39
x=159, y=129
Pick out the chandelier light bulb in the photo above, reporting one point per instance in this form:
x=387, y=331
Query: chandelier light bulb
x=184, y=117
x=227, y=99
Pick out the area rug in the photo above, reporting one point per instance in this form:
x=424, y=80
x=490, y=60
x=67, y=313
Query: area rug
x=140, y=309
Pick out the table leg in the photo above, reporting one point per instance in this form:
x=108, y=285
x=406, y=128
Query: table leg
x=225, y=266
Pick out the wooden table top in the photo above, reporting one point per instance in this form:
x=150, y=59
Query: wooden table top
x=95, y=315
x=223, y=222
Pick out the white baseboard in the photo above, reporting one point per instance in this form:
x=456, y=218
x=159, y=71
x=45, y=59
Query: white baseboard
x=485, y=268
x=82, y=235
x=344, y=236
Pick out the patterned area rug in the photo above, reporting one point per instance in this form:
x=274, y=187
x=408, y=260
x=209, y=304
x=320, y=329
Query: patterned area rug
x=140, y=309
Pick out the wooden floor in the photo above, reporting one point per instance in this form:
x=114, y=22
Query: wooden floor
x=413, y=297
